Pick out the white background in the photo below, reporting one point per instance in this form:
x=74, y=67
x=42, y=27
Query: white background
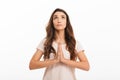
x=95, y=23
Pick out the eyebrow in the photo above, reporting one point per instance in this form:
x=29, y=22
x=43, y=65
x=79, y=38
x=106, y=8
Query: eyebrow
x=57, y=15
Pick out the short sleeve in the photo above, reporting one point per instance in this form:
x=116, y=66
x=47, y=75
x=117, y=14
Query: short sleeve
x=41, y=45
x=79, y=47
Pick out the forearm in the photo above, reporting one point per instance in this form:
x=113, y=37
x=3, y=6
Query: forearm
x=41, y=64
x=77, y=64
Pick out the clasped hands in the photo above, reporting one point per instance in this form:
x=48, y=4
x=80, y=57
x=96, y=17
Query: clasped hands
x=59, y=55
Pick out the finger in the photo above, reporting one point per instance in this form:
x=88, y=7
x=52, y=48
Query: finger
x=59, y=50
x=60, y=47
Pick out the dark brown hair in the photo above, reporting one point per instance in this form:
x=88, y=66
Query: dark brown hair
x=50, y=37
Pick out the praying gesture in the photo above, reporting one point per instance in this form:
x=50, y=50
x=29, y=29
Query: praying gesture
x=59, y=30
x=59, y=54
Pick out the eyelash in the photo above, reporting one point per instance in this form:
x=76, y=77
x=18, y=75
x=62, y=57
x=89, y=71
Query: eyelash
x=63, y=17
x=57, y=17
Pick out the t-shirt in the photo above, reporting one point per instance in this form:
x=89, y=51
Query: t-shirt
x=60, y=71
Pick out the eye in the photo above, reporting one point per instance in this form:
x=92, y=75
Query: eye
x=63, y=17
x=55, y=17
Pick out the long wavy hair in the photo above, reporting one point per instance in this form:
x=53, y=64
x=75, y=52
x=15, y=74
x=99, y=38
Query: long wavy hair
x=50, y=37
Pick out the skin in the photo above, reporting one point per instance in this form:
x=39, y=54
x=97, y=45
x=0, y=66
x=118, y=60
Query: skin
x=59, y=21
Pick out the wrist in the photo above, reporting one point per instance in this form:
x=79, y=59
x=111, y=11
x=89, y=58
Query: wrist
x=55, y=60
x=63, y=60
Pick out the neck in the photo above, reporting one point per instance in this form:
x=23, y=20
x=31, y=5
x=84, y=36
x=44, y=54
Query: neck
x=60, y=36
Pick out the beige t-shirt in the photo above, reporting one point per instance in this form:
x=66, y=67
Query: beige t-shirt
x=59, y=71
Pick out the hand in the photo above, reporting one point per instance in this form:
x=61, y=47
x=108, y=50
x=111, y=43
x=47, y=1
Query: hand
x=60, y=55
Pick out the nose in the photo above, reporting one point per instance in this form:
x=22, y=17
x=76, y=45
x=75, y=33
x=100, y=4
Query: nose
x=59, y=20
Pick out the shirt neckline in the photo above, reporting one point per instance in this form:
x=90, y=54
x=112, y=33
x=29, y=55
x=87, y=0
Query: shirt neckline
x=57, y=43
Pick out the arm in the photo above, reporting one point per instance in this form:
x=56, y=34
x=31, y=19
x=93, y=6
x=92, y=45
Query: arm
x=81, y=64
x=35, y=62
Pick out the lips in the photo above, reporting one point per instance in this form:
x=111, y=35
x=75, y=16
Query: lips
x=59, y=24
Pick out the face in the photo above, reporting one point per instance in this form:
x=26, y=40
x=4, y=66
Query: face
x=59, y=20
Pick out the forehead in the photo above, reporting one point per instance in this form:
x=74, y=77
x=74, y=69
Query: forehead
x=58, y=13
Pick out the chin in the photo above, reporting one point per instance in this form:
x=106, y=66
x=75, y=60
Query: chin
x=59, y=29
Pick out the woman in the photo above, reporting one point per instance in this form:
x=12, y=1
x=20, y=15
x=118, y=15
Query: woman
x=60, y=50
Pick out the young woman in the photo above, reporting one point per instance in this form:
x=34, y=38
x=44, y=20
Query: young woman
x=60, y=50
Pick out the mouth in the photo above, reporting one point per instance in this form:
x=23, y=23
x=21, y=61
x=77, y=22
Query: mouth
x=59, y=24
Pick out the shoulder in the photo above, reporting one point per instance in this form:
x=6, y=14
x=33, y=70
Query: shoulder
x=43, y=40
x=78, y=43
x=41, y=44
x=78, y=46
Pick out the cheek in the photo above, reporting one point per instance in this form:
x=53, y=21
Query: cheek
x=65, y=23
x=54, y=22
